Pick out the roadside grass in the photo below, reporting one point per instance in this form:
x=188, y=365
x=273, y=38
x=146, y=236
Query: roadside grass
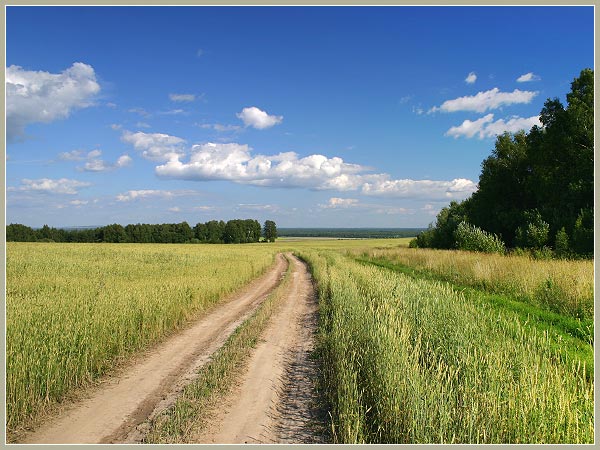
x=73, y=311
x=563, y=286
x=187, y=416
x=410, y=360
x=569, y=337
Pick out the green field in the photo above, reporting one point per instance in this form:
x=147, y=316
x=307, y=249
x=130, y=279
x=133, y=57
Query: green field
x=415, y=346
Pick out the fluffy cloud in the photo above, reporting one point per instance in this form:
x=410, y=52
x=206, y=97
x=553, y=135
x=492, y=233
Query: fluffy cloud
x=50, y=186
x=529, y=76
x=155, y=146
x=236, y=163
x=44, y=97
x=485, y=126
x=152, y=193
x=471, y=78
x=483, y=101
x=182, y=97
x=336, y=202
x=75, y=155
x=256, y=118
x=98, y=165
x=459, y=188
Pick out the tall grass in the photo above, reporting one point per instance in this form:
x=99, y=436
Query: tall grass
x=410, y=361
x=563, y=286
x=72, y=310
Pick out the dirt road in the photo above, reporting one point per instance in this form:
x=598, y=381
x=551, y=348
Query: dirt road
x=112, y=411
x=275, y=401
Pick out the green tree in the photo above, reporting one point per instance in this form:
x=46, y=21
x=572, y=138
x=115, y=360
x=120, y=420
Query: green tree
x=270, y=231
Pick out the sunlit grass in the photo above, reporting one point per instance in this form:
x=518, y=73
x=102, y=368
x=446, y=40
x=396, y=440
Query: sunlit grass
x=73, y=309
x=412, y=361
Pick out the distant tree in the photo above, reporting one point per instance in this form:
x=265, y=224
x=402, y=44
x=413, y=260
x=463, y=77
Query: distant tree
x=19, y=233
x=270, y=231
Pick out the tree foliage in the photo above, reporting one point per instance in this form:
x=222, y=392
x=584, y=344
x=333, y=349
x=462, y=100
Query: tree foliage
x=536, y=183
x=214, y=232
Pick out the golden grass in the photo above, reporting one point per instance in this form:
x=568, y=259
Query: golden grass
x=73, y=309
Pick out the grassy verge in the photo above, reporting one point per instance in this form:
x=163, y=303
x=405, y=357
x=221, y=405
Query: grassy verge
x=570, y=338
x=189, y=413
x=562, y=286
x=409, y=360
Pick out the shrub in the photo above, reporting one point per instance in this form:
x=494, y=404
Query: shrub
x=583, y=233
x=535, y=233
x=561, y=244
x=470, y=237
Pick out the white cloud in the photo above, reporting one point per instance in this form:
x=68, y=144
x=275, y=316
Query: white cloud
x=75, y=155
x=172, y=112
x=175, y=209
x=236, y=163
x=336, y=202
x=256, y=207
x=204, y=208
x=182, y=97
x=116, y=126
x=471, y=78
x=459, y=188
x=44, y=97
x=93, y=161
x=482, y=101
x=149, y=193
x=142, y=125
x=529, y=76
x=256, y=118
x=123, y=161
x=485, y=127
x=79, y=202
x=155, y=146
x=48, y=185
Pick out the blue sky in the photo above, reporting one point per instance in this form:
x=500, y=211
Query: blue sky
x=312, y=117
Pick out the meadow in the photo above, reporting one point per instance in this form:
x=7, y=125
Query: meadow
x=415, y=345
x=73, y=311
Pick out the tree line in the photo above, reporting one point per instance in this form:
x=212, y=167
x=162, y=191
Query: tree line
x=235, y=231
x=536, y=189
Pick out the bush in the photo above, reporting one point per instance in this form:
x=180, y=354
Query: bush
x=535, y=233
x=583, y=233
x=472, y=238
x=561, y=244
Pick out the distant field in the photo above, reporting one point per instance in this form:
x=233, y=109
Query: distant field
x=357, y=233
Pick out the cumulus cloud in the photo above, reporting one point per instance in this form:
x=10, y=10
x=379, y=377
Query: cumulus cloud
x=155, y=146
x=471, y=78
x=483, y=101
x=486, y=127
x=529, y=76
x=37, y=96
x=336, y=202
x=151, y=193
x=236, y=163
x=256, y=118
x=51, y=186
x=458, y=188
x=182, y=97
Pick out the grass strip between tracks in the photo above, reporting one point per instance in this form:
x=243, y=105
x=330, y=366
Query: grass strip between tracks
x=192, y=409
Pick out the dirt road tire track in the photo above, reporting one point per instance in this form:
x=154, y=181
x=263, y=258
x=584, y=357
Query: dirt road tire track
x=276, y=401
x=112, y=410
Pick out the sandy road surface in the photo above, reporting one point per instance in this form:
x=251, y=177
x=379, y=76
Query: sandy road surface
x=113, y=410
x=275, y=401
